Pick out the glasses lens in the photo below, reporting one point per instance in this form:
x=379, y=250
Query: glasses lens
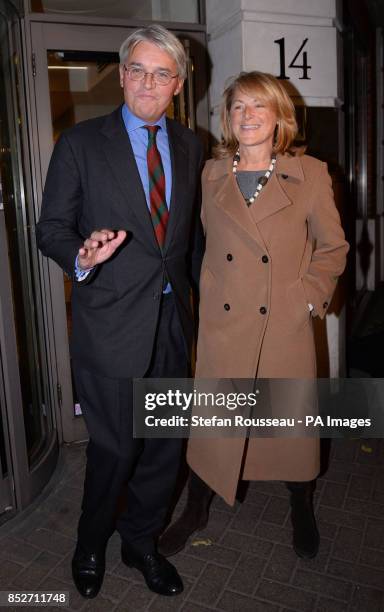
x=136, y=74
x=162, y=78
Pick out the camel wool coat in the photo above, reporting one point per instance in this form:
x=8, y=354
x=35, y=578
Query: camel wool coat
x=262, y=267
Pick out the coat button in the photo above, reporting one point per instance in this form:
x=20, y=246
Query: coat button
x=325, y=305
x=284, y=176
x=263, y=310
x=264, y=259
x=156, y=295
x=227, y=307
x=229, y=257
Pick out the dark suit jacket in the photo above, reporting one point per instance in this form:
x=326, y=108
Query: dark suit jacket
x=93, y=183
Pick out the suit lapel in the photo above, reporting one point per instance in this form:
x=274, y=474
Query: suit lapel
x=121, y=160
x=180, y=163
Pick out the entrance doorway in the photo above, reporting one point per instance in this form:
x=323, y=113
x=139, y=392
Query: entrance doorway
x=74, y=76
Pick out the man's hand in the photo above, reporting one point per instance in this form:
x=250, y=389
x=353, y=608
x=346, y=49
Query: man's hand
x=99, y=247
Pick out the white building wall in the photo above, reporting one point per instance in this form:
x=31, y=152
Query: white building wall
x=242, y=35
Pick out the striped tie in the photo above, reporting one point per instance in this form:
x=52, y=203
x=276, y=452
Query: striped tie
x=159, y=210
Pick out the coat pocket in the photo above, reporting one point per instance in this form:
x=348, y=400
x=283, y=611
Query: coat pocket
x=297, y=303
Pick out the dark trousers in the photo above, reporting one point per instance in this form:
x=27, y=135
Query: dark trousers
x=146, y=467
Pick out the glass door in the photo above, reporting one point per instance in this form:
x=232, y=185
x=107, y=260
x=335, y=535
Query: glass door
x=82, y=85
x=28, y=435
x=75, y=77
x=7, y=499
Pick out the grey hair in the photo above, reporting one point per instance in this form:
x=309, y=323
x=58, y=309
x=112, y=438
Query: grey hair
x=162, y=38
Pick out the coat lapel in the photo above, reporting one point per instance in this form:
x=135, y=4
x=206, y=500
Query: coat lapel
x=229, y=199
x=274, y=196
x=180, y=163
x=272, y=199
x=120, y=157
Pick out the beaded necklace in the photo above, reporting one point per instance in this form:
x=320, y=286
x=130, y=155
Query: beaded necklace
x=262, y=181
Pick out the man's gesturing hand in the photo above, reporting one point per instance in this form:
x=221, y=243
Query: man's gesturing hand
x=99, y=247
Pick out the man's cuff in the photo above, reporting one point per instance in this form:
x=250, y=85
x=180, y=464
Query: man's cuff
x=80, y=274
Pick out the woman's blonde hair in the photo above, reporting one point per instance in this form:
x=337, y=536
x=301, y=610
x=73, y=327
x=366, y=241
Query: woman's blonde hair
x=268, y=89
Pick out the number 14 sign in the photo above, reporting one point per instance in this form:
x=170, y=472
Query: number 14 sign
x=303, y=66
x=305, y=56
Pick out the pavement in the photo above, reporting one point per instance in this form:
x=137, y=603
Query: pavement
x=242, y=561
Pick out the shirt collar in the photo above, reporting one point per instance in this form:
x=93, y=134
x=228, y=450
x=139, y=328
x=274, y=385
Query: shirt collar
x=133, y=123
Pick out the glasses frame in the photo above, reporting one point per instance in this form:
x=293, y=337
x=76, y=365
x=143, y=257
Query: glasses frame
x=153, y=75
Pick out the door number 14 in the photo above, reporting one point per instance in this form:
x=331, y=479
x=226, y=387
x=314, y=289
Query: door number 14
x=294, y=64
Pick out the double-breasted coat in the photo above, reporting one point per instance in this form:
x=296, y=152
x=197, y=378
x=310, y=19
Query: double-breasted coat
x=262, y=267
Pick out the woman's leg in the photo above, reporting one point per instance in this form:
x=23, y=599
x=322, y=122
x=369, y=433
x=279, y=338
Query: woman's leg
x=194, y=517
x=305, y=534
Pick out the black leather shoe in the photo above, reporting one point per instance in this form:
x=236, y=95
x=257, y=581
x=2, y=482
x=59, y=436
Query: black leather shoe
x=88, y=572
x=159, y=574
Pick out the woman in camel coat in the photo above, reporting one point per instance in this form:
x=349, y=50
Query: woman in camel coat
x=272, y=260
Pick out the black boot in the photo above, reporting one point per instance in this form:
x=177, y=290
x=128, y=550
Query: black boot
x=194, y=517
x=306, y=537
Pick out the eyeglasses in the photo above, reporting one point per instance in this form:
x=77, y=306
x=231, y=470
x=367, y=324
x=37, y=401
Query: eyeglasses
x=161, y=77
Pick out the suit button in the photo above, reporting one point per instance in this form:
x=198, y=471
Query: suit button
x=227, y=307
x=264, y=259
x=229, y=257
x=156, y=295
x=263, y=310
x=284, y=176
x=325, y=305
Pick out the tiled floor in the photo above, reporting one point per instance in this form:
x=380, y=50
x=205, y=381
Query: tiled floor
x=242, y=561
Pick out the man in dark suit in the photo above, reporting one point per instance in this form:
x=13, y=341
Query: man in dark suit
x=120, y=216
